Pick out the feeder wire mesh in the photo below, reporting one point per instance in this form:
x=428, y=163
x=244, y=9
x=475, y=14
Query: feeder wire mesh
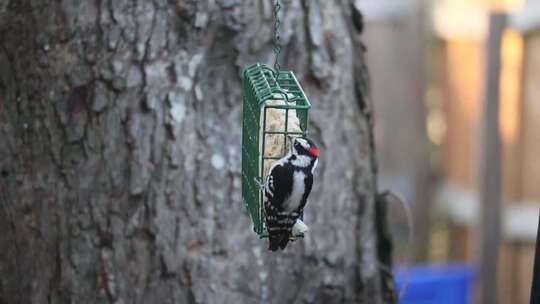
x=263, y=86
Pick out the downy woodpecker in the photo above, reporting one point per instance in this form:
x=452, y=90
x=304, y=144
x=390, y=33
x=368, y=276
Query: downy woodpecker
x=287, y=188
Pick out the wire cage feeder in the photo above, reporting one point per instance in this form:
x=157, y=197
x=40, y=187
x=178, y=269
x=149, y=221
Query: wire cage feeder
x=263, y=84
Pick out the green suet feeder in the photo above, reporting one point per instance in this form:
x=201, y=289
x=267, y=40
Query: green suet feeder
x=262, y=87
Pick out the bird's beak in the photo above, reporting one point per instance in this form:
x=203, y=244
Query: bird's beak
x=291, y=140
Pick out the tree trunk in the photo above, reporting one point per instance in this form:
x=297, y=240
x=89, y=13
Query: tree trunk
x=120, y=143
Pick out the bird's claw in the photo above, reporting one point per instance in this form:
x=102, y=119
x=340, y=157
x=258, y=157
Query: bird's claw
x=259, y=183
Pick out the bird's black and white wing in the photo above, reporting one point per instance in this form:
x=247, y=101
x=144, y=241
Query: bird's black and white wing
x=308, y=185
x=279, y=222
x=278, y=185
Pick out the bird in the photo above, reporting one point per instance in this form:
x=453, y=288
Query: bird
x=287, y=188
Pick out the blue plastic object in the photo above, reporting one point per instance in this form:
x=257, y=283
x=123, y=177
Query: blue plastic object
x=436, y=284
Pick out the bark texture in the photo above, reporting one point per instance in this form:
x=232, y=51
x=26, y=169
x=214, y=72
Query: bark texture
x=120, y=141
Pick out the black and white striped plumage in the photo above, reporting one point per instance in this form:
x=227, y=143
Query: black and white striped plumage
x=287, y=188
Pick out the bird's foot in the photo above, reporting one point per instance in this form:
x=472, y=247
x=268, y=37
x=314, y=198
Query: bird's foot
x=299, y=229
x=259, y=183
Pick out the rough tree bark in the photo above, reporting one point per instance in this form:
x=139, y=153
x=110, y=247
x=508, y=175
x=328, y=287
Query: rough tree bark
x=120, y=154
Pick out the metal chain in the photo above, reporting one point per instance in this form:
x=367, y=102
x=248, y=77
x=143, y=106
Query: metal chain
x=277, y=38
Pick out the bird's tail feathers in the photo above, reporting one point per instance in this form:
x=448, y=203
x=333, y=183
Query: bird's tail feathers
x=284, y=241
x=277, y=241
x=280, y=226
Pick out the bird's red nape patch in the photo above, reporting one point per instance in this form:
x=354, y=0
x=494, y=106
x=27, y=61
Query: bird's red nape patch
x=314, y=151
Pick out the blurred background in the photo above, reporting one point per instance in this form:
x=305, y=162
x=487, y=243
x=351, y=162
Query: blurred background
x=428, y=60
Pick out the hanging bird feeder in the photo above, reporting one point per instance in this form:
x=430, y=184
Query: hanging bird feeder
x=275, y=107
x=268, y=96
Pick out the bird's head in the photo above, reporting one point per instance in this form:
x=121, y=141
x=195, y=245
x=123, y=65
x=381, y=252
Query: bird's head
x=304, y=146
